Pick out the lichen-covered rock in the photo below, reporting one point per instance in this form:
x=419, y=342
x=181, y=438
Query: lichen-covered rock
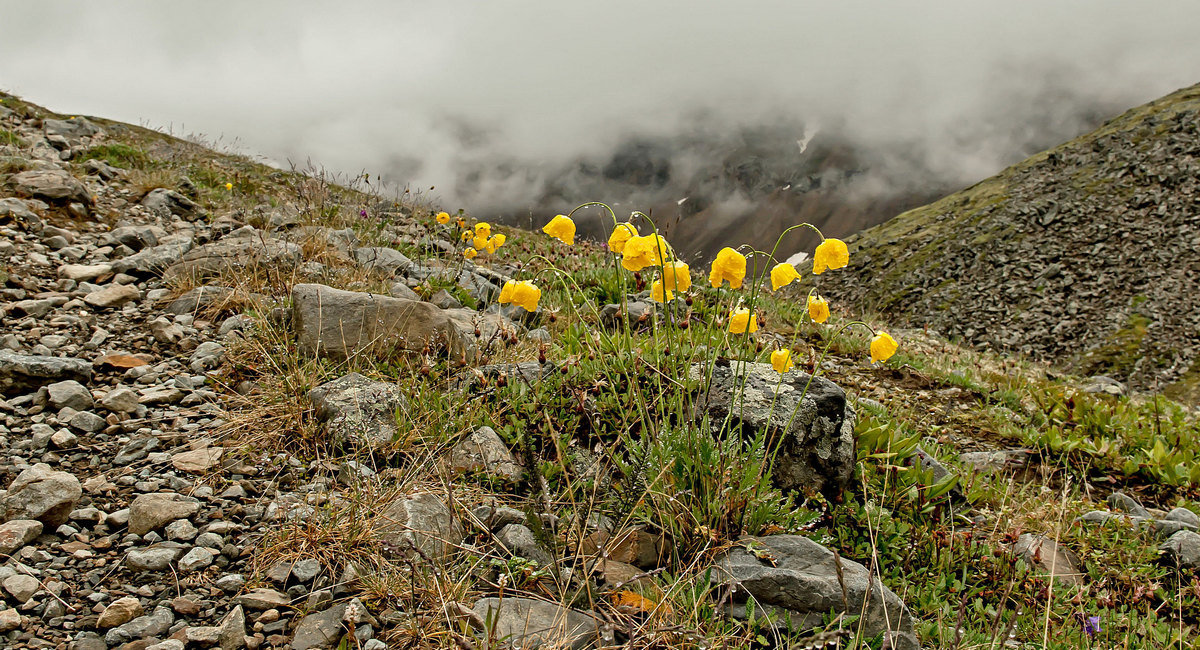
x=358, y=411
x=817, y=449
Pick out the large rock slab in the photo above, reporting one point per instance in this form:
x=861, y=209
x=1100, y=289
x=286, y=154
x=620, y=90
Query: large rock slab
x=53, y=185
x=42, y=494
x=800, y=580
x=234, y=254
x=338, y=324
x=24, y=372
x=528, y=623
x=388, y=260
x=358, y=411
x=817, y=449
x=422, y=521
x=73, y=129
x=153, y=260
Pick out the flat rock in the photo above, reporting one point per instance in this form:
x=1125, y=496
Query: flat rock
x=198, y=461
x=320, y=631
x=167, y=203
x=233, y=255
x=1183, y=549
x=800, y=580
x=817, y=450
x=1050, y=558
x=114, y=295
x=151, y=511
x=69, y=393
x=528, y=623
x=17, y=533
x=338, y=324
x=388, y=260
x=21, y=587
x=155, y=624
x=21, y=373
x=157, y=557
x=264, y=599
x=52, y=185
x=84, y=272
x=422, y=521
x=120, y=612
x=154, y=260
x=43, y=494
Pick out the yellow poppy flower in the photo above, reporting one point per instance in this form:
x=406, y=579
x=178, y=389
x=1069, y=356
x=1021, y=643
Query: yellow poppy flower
x=522, y=293
x=781, y=361
x=830, y=254
x=561, y=228
x=818, y=309
x=677, y=276
x=483, y=229
x=883, y=346
x=783, y=275
x=621, y=234
x=443, y=218
x=643, y=251
x=228, y=186
x=490, y=246
x=480, y=242
x=741, y=321
x=730, y=266
x=495, y=242
x=656, y=292
x=470, y=253
x=466, y=236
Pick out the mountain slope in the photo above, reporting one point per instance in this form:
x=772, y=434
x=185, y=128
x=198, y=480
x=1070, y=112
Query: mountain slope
x=1086, y=255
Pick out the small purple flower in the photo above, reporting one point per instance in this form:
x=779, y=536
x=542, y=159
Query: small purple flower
x=1091, y=625
x=362, y=213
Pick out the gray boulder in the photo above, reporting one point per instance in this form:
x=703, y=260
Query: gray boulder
x=137, y=237
x=799, y=580
x=817, y=450
x=13, y=208
x=484, y=451
x=234, y=254
x=43, y=494
x=388, y=260
x=198, y=298
x=358, y=411
x=53, y=185
x=528, y=623
x=150, y=511
x=422, y=521
x=169, y=203
x=1183, y=549
x=321, y=630
x=339, y=324
x=69, y=393
x=154, y=260
x=73, y=129
x=21, y=372
x=155, y=624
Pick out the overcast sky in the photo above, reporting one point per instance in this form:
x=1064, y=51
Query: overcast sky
x=414, y=88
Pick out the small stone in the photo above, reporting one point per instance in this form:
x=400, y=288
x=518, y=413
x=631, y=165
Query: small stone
x=87, y=421
x=231, y=583
x=21, y=587
x=120, y=612
x=319, y=631
x=154, y=624
x=69, y=393
x=114, y=295
x=196, y=559
x=43, y=494
x=260, y=599
x=120, y=400
x=1183, y=515
x=153, y=558
x=198, y=461
x=10, y=619
x=150, y=511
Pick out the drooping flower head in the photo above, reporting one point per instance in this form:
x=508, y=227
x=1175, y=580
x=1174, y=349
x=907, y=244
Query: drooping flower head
x=783, y=275
x=677, y=276
x=742, y=321
x=818, y=309
x=467, y=234
x=483, y=229
x=830, y=254
x=443, y=218
x=883, y=346
x=781, y=360
x=228, y=186
x=470, y=253
x=620, y=235
x=643, y=251
x=522, y=293
x=496, y=241
x=657, y=292
x=561, y=228
x=729, y=266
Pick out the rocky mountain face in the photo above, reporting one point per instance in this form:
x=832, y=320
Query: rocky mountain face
x=1087, y=254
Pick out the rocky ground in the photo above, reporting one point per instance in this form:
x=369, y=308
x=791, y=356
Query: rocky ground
x=200, y=451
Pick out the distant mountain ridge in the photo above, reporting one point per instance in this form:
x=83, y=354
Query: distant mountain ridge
x=1087, y=254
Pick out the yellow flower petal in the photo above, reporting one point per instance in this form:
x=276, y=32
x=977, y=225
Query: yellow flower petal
x=620, y=235
x=467, y=234
x=830, y=254
x=648, y=250
x=561, y=228
x=781, y=360
x=506, y=292
x=883, y=346
x=470, y=253
x=741, y=321
x=783, y=275
x=818, y=309
x=656, y=292
x=499, y=238
x=526, y=295
x=228, y=186
x=677, y=276
x=483, y=229
x=729, y=266
x=443, y=218
x=480, y=242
